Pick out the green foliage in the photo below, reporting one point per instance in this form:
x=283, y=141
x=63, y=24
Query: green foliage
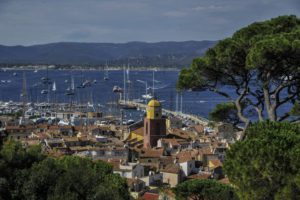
x=15, y=156
x=4, y=189
x=275, y=56
x=267, y=164
x=189, y=78
x=224, y=112
x=295, y=111
x=28, y=174
x=259, y=61
x=204, y=190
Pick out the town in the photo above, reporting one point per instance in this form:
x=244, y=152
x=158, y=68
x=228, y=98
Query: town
x=159, y=150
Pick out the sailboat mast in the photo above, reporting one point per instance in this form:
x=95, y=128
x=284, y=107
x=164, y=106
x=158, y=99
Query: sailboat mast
x=176, y=102
x=146, y=88
x=54, y=91
x=181, y=102
x=153, y=84
x=24, y=95
x=72, y=84
x=124, y=91
x=106, y=70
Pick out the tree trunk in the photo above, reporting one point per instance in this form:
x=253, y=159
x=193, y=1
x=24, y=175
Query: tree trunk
x=270, y=109
x=240, y=114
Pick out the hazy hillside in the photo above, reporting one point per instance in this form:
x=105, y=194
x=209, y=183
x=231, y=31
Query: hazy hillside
x=163, y=54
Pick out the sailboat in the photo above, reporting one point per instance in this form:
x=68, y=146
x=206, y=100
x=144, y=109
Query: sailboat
x=54, y=87
x=124, y=105
x=46, y=80
x=44, y=92
x=71, y=90
x=147, y=95
x=128, y=79
x=106, y=78
x=117, y=89
x=87, y=83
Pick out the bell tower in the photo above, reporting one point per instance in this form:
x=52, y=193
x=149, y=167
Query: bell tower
x=154, y=124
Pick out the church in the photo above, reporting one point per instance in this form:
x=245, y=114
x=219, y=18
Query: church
x=151, y=129
x=154, y=124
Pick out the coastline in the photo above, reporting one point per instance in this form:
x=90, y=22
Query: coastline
x=81, y=68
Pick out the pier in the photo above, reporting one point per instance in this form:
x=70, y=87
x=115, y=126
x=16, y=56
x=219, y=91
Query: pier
x=196, y=119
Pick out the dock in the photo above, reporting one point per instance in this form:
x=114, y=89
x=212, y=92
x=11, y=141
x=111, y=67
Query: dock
x=196, y=119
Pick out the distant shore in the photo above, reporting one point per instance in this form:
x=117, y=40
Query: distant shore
x=87, y=68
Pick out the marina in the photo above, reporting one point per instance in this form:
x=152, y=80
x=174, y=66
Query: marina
x=88, y=87
x=70, y=90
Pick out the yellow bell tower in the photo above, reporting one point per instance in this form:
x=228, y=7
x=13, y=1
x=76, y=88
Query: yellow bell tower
x=154, y=109
x=154, y=124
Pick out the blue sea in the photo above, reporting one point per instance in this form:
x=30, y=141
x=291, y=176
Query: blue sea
x=101, y=92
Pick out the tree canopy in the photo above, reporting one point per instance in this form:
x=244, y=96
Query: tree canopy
x=204, y=190
x=225, y=112
x=266, y=165
x=25, y=173
x=259, y=62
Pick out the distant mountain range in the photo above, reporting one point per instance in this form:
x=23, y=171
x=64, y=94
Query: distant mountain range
x=160, y=54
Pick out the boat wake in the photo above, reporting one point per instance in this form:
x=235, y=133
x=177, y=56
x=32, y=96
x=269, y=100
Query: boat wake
x=159, y=88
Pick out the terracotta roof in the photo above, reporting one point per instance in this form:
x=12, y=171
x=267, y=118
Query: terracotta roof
x=130, y=181
x=20, y=127
x=79, y=148
x=150, y=196
x=41, y=135
x=152, y=153
x=114, y=163
x=174, y=142
x=53, y=127
x=172, y=168
x=70, y=139
x=78, y=128
x=184, y=156
x=206, y=151
x=180, y=133
x=199, y=128
x=42, y=125
x=166, y=160
x=216, y=163
x=200, y=176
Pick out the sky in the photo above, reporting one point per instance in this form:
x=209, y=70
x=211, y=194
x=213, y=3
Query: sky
x=29, y=22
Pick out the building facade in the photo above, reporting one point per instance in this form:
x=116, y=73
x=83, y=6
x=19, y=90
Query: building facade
x=154, y=124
